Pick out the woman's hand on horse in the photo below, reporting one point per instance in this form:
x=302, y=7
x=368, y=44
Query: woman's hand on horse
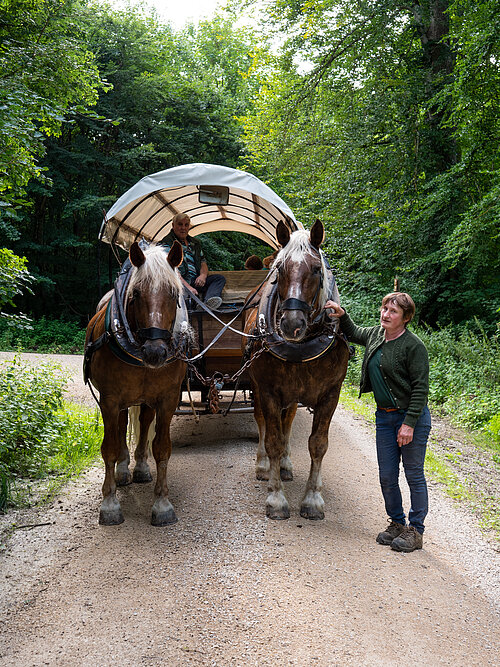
x=334, y=310
x=193, y=290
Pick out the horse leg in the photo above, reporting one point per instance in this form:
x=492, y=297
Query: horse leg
x=287, y=417
x=162, y=512
x=276, y=503
x=312, y=505
x=110, y=513
x=262, y=463
x=142, y=473
x=122, y=473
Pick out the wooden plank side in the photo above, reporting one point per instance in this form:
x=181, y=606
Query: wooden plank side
x=206, y=328
x=239, y=284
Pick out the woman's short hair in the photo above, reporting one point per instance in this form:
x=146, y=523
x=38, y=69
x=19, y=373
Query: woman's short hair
x=404, y=301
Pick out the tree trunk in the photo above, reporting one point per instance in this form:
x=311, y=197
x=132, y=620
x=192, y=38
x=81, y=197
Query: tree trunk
x=432, y=25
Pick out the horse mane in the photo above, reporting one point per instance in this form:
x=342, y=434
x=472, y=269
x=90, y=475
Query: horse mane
x=156, y=273
x=296, y=250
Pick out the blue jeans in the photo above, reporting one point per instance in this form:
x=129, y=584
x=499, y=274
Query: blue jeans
x=413, y=455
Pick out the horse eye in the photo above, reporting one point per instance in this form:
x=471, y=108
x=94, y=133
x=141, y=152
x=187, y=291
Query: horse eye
x=136, y=294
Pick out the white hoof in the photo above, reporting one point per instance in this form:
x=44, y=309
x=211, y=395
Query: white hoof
x=277, y=506
x=142, y=473
x=312, y=506
x=162, y=513
x=110, y=513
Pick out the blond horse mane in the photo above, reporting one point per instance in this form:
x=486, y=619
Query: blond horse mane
x=298, y=249
x=155, y=274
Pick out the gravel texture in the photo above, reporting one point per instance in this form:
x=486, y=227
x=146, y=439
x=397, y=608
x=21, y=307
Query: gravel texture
x=226, y=586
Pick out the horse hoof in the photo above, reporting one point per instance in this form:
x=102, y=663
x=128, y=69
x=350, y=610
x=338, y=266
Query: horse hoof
x=276, y=515
x=123, y=479
x=286, y=475
x=163, y=518
x=142, y=476
x=311, y=513
x=262, y=475
x=277, y=506
x=110, y=517
x=163, y=513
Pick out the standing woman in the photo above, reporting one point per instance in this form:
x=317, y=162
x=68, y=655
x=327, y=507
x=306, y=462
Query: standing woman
x=396, y=368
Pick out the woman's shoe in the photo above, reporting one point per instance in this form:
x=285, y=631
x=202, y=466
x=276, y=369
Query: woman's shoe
x=390, y=533
x=409, y=540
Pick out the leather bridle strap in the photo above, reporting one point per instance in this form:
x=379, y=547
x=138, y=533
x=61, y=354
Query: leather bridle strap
x=154, y=333
x=295, y=304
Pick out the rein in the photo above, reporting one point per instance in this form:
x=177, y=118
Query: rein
x=227, y=325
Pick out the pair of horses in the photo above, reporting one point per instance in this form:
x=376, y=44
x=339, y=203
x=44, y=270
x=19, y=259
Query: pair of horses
x=295, y=293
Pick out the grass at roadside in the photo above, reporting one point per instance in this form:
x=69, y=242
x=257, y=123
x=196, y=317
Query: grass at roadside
x=443, y=465
x=71, y=452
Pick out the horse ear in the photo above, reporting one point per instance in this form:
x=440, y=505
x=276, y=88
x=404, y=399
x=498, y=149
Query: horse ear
x=137, y=257
x=317, y=235
x=175, y=254
x=282, y=233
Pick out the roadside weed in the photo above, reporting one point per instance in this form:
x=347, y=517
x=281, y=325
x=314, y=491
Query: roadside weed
x=43, y=440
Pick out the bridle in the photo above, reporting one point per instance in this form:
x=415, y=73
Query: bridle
x=297, y=304
x=152, y=333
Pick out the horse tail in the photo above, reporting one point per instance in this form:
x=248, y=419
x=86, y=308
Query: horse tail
x=134, y=427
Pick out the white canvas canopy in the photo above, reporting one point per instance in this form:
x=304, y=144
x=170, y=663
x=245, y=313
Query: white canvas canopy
x=216, y=198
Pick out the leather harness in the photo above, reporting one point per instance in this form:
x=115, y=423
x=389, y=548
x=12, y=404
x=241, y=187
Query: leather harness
x=307, y=350
x=126, y=345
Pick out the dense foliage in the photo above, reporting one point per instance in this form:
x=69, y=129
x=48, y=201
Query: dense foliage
x=382, y=118
x=44, y=335
x=172, y=98
x=38, y=436
x=46, y=69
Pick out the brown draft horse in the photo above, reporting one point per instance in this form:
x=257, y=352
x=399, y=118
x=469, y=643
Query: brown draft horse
x=153, y=306
x=297, y=290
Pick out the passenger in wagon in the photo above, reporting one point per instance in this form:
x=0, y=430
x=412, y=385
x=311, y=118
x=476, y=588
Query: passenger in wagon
x=194, y=269
x=396, y=368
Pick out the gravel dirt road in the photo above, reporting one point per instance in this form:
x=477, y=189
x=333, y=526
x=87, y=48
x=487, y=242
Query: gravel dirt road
x=226, y=586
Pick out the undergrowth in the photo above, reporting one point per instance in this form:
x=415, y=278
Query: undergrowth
x=43, y=440
x=44, y=336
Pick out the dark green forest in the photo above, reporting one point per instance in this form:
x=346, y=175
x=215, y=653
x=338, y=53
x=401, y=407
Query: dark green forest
x=379, y=117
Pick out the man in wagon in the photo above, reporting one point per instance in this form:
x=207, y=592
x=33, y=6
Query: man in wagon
x=194, y=269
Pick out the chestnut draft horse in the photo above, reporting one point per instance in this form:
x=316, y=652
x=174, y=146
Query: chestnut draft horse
x=157, y=318
x=305, y=361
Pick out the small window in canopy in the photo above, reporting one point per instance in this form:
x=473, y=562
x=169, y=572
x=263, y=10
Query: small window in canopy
x=213, y=194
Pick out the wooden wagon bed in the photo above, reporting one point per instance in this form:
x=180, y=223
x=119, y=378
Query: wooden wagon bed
x=225, y=355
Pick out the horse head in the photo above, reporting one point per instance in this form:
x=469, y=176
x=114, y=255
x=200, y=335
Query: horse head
x=152, y=297
x=301, y=279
